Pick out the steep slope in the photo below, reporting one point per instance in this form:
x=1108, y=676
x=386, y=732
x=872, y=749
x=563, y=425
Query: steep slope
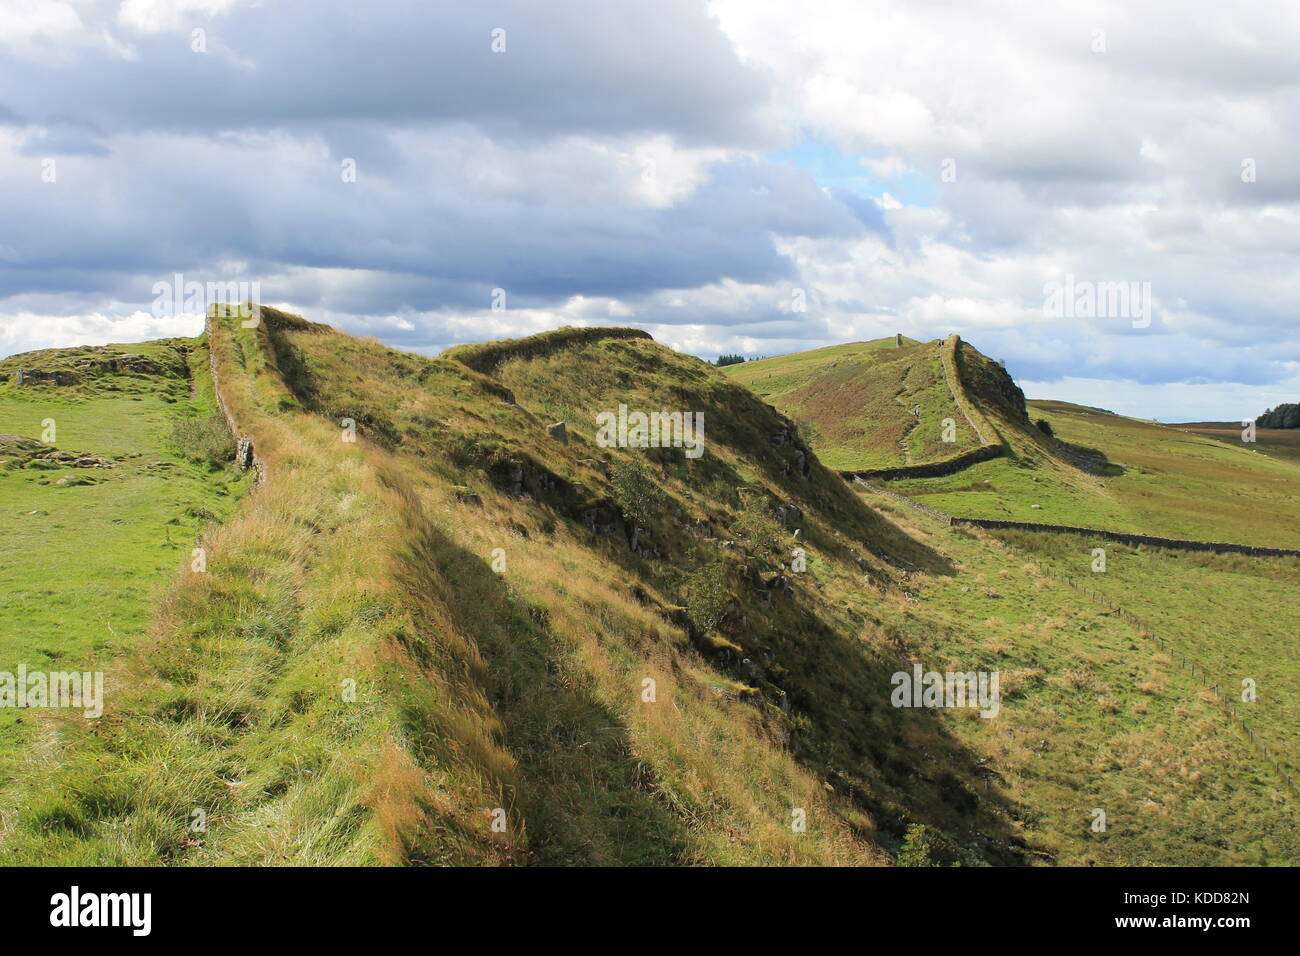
x=445, y=629
x=767, y=700
x=866, y=405
x=1094, y=469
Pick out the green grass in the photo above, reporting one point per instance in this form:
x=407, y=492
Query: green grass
x=1280, y=443
x=82, y=562
x=1180, y=594
x=1097, y=715
x=1153, y=479
x=856, y=402
x=473, y=576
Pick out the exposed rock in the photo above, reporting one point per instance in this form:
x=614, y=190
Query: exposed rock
x=32, y=376
x=788, y=512
x=558, y=432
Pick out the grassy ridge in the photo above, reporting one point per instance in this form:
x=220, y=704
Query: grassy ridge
x=402, y=639
x=242, y=713
x=857, y=402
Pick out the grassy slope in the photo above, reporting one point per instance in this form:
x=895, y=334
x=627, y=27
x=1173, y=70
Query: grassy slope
x=1175, y=593
x=81, y=561
x=1148, y=478
x=1280, y=443
x=856, y=401
x=1094, y=714
x=1106, y=471
x=577, y=623
x=372, y=561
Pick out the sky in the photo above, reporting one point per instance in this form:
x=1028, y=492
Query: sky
x=1106, y=196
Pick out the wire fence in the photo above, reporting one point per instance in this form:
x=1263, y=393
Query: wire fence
x=1196, y=670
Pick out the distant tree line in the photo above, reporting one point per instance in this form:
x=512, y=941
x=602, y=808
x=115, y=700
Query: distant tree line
x=1284, y=416
x=729, y=360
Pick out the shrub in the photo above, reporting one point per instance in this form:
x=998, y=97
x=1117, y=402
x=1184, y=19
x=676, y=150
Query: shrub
x=705, y=594
x=637, y=496
x=918, y=849
x=1045, y=427
x=756, y=527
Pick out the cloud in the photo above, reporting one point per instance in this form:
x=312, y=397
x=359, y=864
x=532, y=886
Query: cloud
x=691, y=168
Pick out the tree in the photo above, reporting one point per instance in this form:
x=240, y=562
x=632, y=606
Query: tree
x=1284, y=416
x=637, y=496
x=706, y=595
x=729, y=360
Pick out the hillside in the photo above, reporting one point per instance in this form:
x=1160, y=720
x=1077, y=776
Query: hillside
x=866, y=405
x=1110, y=472
x=1096, y=469
x=445, y=630
x=1280, y=443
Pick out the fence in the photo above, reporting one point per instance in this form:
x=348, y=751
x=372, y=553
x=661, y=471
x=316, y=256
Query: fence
x=1193, y=668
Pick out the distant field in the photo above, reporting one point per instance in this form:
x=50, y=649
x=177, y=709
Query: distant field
x=1280, y=443
x=856, y=403
x=80, y=562
x=1154, y=480
x=1094, y=715
x=1186, y=598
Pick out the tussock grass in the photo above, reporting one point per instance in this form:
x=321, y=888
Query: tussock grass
x=515, y=659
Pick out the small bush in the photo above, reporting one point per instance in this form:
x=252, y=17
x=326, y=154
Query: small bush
x=1045, y=427
x=705, y=594
x=918, y=848
x=637, y=496
x=759, y=530
x=203, y=438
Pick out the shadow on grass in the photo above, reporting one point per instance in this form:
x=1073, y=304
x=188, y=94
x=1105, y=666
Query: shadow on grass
x=585, y=798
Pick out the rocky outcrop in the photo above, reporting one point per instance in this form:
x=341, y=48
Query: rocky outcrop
x=796, y=455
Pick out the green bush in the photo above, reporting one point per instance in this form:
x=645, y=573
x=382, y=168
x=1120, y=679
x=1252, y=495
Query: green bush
x=755, y=527
x=1045, y=427
x=918, y=849
x=637, y=496
x=706, y=594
